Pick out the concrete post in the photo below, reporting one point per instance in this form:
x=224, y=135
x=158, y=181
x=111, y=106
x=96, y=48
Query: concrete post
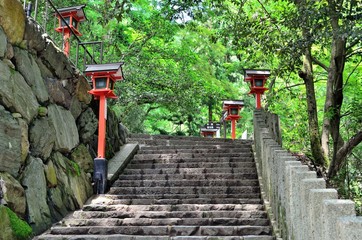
x=307, y=185
x=332, y=210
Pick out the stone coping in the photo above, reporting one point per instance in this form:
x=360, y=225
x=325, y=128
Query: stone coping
x=120, y=160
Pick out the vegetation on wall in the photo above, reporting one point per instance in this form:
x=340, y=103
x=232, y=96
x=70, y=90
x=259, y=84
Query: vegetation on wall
x=20, y=228
x=182, y=58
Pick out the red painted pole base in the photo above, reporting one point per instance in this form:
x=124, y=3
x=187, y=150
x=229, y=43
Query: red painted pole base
x=233, y=131
x=258, y=101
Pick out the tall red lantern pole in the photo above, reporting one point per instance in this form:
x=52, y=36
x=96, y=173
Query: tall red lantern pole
x=232, y=109
x=103, y=77
x=257, y=79
x=72, y=17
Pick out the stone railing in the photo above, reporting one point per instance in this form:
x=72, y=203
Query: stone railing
x=301, y=206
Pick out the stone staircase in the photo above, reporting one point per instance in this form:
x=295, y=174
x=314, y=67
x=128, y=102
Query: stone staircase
x=181, y=188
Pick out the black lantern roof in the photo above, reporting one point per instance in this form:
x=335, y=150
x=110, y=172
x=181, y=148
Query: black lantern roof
x=256, y=72
x=80, y=13
x=114, y=69
x=233, y=102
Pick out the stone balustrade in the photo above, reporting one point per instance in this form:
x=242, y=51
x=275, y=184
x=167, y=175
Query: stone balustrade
x=300, y=204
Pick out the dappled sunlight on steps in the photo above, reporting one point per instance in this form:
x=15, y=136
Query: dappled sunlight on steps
x=177, y=188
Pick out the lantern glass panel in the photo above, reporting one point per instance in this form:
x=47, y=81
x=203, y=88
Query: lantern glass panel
x=101, y=83
x=234, y=111
x=258, y=82
x=75, y=23
x=67, y=19
x=112, y=84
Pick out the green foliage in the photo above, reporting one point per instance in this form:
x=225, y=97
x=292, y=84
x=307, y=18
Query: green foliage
x=20, y=228
x=349, y=180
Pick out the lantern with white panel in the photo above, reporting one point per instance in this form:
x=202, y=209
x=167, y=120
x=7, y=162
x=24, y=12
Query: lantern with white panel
x=257, y=79
x=232, y=109
x=210, y=130
x=104, y=77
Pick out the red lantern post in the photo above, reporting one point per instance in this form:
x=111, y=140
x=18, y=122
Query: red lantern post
x=72, y=16
x=103, y=77
x=232, y=109
x=257, y=79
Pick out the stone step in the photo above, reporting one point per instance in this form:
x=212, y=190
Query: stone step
x=190, y=183
x=184, y=196
x=190, y=147
x=116, y=200
x=190, y=155
x=138, y=237
x=169, y=207
x=165, y=230
x=167, y=221
x=187, y=176
x=183, y=190
x=161, y=142
x=182, y=138
x=195, y=150
x=181, y=171
x=167, y=214
x=191, y=165
x=196, y=160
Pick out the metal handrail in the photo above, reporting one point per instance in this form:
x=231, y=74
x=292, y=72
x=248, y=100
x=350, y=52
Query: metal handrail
x=83, y=44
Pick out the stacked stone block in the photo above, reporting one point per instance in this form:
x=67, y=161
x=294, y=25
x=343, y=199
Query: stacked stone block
x=301, y=205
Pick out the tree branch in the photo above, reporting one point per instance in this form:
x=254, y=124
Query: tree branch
x=343, y=152
x=350, y=74
x=354, y=53
x=319, y=63
x=354, y=43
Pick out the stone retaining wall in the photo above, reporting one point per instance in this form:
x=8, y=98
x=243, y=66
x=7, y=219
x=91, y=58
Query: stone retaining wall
x=301, y=205
x=48, y=126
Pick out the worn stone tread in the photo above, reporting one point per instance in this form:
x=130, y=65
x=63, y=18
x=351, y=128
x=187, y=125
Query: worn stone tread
x=170, y=207
x=186, y=196
x=191, y=147
x=198, y=171
x=173, y=214
x=191, y=155
x=115, y=199
x=166, y=221
x=135, y=237
x=178, y=230
x=189, y=176
x=191, y=165
x=191, y=183
x=182, y=190
x=196, y=160
x=201, y=149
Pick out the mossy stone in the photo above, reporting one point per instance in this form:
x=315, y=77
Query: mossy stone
x=51, y=175
x=42, y=111
x=5, y=225
x=21, y=230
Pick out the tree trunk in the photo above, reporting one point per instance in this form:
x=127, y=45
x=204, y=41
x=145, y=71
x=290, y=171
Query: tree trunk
x=335, y=80
x=307, y=76
x=210, y=112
